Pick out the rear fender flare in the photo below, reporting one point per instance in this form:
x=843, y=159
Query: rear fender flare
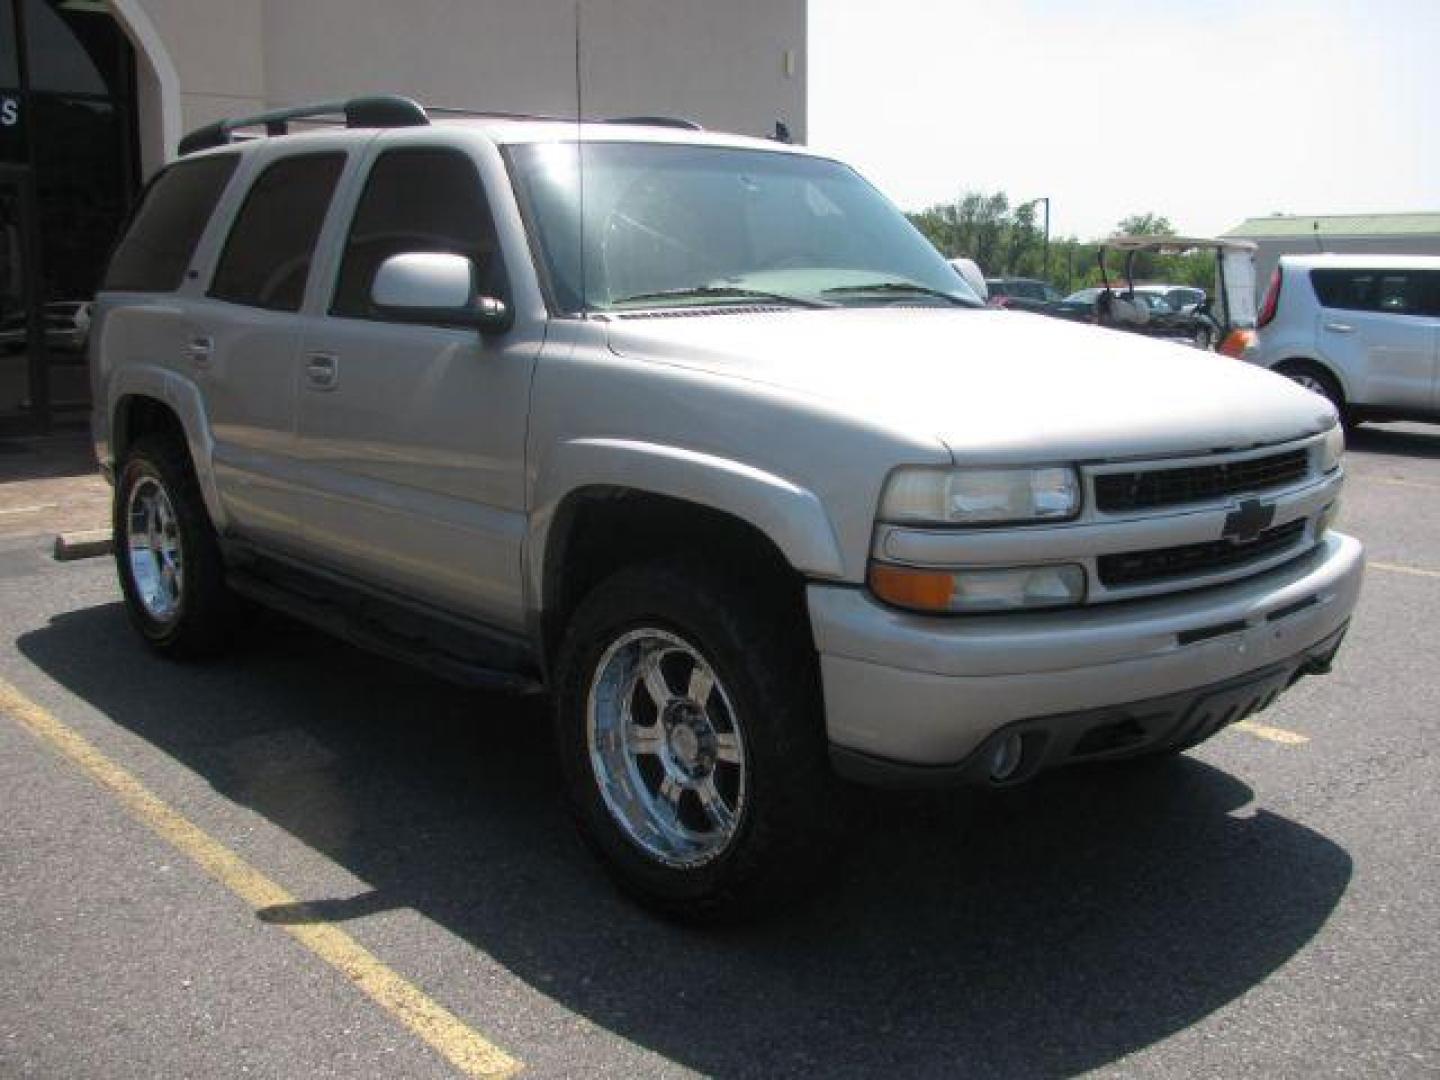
x=183, y=398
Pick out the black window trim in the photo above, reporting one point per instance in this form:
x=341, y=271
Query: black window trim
x=251, y=183
x=362, y=185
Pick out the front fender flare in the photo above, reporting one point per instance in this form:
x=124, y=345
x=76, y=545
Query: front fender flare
x=791, y=516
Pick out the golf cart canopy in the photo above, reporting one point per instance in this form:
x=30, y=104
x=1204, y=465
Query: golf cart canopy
x=1176, y=244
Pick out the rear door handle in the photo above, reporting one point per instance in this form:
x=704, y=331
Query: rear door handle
x=322, y=370
x=1340, y=327
x=199, y=350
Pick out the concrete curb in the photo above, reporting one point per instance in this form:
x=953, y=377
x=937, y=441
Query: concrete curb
x=82, y=545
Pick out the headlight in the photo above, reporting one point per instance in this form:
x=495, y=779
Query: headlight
x=981, y=496
x=1017, y=588
x=1332, y=449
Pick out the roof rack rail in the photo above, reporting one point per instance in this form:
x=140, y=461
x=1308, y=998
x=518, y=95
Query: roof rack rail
x=492, y=114
x=656, y=121
x=378, y=110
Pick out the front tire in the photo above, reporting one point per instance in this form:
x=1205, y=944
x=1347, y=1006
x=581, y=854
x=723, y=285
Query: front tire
x=166, y=552
x=689, y=726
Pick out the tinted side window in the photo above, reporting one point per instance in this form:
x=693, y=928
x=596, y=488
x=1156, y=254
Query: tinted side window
x=267, y=256
x=156, y=248
x=1430, y=293
x=417, y=200
x=1396, y=292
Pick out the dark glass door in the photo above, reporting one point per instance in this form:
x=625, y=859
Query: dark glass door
x=21, y=335
x=67, y=172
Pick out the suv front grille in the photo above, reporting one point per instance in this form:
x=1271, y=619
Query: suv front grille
x=1212, y=556
x=1142, y=490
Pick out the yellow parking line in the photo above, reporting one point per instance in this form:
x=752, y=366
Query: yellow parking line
x=1397, y=568
x=1272, y=734
x=462, y=1046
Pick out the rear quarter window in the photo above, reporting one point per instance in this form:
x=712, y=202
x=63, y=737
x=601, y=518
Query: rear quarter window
x=157, y=246
x=1393, y=292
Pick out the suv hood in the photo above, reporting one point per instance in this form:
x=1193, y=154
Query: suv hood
x=990, y=384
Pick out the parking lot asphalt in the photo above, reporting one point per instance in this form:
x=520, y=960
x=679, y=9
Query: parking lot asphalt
x=1263, y=906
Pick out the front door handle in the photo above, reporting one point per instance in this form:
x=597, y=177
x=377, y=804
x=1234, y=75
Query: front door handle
x=322, y=370
x=1340, y=327
x=198, y=351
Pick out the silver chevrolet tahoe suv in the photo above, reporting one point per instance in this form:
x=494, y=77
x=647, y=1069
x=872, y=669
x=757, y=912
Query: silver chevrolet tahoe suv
x=695, y=433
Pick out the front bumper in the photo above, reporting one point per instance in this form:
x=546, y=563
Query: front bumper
x=924, y=692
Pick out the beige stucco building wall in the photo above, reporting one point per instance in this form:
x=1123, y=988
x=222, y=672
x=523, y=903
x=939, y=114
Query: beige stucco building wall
x=736, y=65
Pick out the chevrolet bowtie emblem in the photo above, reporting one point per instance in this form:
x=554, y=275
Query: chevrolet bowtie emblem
x=1247, y=521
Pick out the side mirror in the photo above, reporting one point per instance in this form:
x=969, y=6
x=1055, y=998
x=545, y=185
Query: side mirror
x=436, y=287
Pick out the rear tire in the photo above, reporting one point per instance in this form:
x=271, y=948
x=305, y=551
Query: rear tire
x=689, y=724
x=166, y=553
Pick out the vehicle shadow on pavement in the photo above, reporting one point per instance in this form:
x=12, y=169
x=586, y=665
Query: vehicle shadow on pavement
x=1044, y=931
x=45, y=457
x=1403, y=442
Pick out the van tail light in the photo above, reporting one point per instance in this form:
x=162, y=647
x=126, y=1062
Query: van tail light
x=1271, y=301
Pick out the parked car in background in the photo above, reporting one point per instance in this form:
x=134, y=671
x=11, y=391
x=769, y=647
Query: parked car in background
x=1181, y=298
x=1079, y=306
x=12, y=332
x=1363, y=330
x=67, y=325
x=970, y=273
x=1140, y=310
x=1021, y=294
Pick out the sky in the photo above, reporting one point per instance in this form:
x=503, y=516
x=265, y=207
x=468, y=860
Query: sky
x=1206, y=111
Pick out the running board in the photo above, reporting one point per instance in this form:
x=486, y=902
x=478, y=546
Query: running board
x=444, y=646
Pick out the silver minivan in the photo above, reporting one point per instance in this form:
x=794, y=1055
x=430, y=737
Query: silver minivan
x=1363, y=330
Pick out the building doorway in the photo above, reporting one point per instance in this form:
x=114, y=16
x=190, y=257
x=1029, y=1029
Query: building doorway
x=21, y=339
x=68, y=172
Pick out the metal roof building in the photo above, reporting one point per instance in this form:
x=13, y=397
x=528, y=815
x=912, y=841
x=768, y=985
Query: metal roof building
x=1379, y=234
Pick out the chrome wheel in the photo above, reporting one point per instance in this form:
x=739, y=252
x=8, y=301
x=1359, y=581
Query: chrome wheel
x=152, y=538
x=1311, y=383
x=666, y=748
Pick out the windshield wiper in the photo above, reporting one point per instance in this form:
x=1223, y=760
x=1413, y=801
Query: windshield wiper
x=914, y=288
x=724, y=291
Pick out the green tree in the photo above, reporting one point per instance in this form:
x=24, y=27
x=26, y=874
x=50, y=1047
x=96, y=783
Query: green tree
x=983, y=226
x=1147, y=224
x=1007, y=241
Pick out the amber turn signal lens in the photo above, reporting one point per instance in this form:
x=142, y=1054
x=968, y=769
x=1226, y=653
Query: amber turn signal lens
x=1236, y=342
x=921, y=590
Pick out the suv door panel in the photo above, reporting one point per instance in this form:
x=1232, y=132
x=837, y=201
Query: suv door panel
x=413, y=443
x=1370, y=325
x=242, y=353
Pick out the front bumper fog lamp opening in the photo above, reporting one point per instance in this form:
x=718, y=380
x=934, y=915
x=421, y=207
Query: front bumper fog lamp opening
x=1006, y=757
x=990, y=589
x=1012, y=756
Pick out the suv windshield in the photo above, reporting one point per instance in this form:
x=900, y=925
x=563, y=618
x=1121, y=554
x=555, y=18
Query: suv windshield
x=669, y=225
